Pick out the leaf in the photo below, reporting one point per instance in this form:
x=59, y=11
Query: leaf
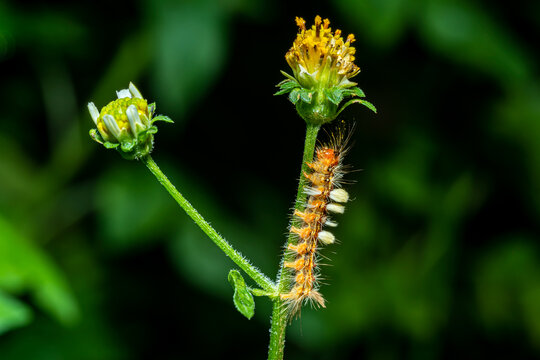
x=467, y=34
x=289, y=84
x=152, y=108
x=369, y=105
x=356, y=91
x=282, y=92
x=294, y=96
x=128, y=145
x=358, y=101
x=286, y=86
x=152, y=130
x=133, y=212
x=177, y=54
x=162, y=118
x=13, y=313
x=110, y=145
x=335, y=95
x=290, y=77
x=280, y=84
x=306, y=95
x=383, y=20
x=96, y=136
x=242, y=298
x=25, y=268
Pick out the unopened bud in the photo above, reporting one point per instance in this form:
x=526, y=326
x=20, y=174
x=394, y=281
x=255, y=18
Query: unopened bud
x=126, y=124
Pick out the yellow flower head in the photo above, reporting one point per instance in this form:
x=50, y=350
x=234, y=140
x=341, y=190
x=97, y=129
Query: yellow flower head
x=320, y=58
x=322, y=63
x=126, y=123
x=123, y=117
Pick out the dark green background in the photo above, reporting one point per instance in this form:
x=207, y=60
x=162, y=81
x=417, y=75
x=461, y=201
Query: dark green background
x=438, y=255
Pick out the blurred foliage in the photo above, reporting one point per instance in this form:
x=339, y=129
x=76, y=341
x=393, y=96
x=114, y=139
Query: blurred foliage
x=438, y=253
x=26, y=269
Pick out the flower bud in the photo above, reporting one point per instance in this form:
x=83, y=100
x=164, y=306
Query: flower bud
x=126, y=124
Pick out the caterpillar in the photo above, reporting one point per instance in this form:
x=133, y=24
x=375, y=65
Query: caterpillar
x=325, y=196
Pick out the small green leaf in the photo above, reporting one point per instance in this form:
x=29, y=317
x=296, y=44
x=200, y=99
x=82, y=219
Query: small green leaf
x=369, y=105
x=289, y=84
x=25, y=268
x=152, y=108
x=128, y=145
x=356, y=91
x=162, y=118
x=13, y=313
x=286, y=86
x=358, y=101
x=290, y=77
x=110, y=145
x=335, y=95
x=142, y=137
x=306, y=95
x=294, y=96
x=282, y=92
x=243, y=300
x=152, y=130
x=96, y=136
x=280, y=84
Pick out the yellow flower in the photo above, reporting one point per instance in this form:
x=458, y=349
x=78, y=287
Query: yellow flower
x=322, y=63
x=126, y=124
x=320, y=58
x=122, y=118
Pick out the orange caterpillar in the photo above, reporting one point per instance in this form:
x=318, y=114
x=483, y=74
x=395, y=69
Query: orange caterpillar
x=325, y=197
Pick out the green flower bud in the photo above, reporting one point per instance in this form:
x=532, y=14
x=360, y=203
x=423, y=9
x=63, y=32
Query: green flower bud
x=126, y=124
x=322, y=63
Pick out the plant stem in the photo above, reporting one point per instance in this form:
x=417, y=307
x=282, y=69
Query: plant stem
x=279, y=316
x=262, y=280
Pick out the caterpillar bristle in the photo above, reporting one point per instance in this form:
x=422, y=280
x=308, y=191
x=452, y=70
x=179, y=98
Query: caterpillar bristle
x=330, y=223
x=325, y=196
x=339, y=195
x=335, y=208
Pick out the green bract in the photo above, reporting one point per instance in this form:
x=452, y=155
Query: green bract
x=126, y=124
x=318, y=106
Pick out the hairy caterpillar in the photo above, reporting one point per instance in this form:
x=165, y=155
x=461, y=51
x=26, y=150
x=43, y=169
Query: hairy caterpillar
x=325, y=196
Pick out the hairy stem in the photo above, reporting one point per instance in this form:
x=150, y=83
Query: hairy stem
x=279, y=316
x=262, y=280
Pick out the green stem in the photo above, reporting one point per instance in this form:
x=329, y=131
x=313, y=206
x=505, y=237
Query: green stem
x=279, y=316
x=261, y=279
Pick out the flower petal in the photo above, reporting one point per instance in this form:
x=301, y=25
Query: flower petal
x=94, y=112
x=124, y=93
x=134, y=119
x=134, y=91
x=111, y=125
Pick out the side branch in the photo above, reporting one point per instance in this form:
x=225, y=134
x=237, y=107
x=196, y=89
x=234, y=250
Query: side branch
x=262, y=280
